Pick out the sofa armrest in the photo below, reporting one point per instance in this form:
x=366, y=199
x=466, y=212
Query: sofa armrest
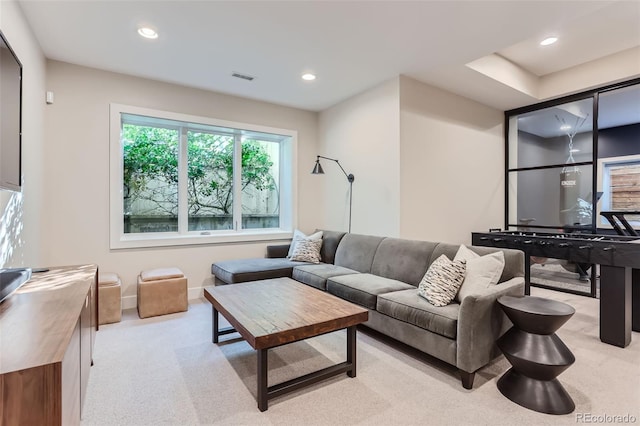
x=481, y=322
x=278, y=251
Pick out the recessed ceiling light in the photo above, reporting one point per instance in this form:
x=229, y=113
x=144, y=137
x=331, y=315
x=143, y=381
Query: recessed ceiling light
x=574, y=150
x=549, y=40
x=565, y=127
x=308, y=76
x=147, y=32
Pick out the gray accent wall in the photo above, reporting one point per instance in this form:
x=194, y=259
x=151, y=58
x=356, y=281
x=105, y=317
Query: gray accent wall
x=619, y=141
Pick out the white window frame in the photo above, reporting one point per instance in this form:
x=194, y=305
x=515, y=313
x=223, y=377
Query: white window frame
x=604, y=181
x=288, y=187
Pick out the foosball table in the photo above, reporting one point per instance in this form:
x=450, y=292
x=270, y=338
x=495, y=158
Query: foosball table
x=619, y=260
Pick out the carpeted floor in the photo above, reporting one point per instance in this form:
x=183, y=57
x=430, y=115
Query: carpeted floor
x=165, y=370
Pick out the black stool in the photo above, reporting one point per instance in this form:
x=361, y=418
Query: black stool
x=536, y=353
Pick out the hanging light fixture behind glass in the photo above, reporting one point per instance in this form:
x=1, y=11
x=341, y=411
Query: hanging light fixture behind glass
x=572, y=210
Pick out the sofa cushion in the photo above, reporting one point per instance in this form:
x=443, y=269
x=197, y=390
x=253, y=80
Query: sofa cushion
x=242, y=270
x=441, y=282
x=481, y=271
x=108, y=279
x=316, y=275
x=402, y=260
x=330, y=241
x=161, y=274
x=357, y=251
x=408, y=307
x=363, y=289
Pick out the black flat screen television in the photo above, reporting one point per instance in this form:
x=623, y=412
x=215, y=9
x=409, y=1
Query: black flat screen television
x=10, y=118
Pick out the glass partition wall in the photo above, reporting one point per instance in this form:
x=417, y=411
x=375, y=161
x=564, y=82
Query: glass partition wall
x=566, y=161
x=550, y=170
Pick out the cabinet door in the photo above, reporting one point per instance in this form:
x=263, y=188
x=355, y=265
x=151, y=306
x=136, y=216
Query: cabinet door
x=94, y=312
x=71, y=381
x=85, y=347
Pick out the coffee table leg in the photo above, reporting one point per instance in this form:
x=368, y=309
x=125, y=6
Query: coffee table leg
x=215, y=324
x=263, y=401
x=351, y=350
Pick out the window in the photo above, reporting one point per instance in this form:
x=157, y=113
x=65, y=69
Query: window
x=178, y=179
x=620, y=187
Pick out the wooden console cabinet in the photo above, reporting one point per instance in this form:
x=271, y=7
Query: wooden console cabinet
x=47, y=330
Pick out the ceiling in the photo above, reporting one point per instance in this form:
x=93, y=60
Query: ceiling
x=351, y=45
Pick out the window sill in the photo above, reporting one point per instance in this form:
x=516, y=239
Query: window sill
x=173, y=239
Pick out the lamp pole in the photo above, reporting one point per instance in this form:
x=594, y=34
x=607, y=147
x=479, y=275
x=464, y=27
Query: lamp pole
x=317, y=169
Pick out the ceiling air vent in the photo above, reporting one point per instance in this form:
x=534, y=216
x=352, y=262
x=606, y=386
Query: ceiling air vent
x=242, y=76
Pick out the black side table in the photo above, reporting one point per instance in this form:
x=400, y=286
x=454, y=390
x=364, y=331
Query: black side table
x=536, y=353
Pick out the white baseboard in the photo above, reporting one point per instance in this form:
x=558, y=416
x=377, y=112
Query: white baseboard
x=131, y=302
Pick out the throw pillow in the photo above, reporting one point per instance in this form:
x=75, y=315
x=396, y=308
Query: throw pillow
x=299, y=235
x=307, y=250
x=442, y=281
x=482, y=271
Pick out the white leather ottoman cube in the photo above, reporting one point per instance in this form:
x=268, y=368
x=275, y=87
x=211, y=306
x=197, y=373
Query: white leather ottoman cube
x=161, y=291
x=109, y=298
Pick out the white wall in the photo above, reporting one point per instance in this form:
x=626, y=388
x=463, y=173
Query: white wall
x=363, y=133
x=77, y=169
x=428, y=164
x=451, y=165
x=21, y=219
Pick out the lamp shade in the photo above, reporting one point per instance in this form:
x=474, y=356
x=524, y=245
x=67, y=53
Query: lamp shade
x=317, y=169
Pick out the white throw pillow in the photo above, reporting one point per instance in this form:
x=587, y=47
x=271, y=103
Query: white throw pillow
x=307, y=250
x=442, y=281
x=299, y=235
x=482, y=271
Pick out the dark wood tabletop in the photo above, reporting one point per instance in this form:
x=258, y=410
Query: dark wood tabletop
x=274, y=312
x=536, y=305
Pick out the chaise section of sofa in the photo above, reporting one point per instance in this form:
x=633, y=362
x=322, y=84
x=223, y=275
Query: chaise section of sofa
x=243, y=270
x=276, y=264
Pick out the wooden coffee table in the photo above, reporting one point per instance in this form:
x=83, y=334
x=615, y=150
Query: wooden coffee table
x=275, y=312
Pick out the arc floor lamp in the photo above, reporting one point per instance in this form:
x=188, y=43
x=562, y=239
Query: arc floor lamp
x=317, y=170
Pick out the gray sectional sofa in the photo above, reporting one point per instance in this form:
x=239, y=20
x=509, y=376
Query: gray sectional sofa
x=382, y=274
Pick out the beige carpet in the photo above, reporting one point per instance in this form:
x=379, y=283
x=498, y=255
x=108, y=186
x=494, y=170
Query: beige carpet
x=165, y=370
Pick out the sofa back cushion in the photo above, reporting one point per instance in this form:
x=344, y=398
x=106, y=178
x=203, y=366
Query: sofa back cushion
x=356, y=252
x=330, y=241
x=403, y=260
x=513, y=259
